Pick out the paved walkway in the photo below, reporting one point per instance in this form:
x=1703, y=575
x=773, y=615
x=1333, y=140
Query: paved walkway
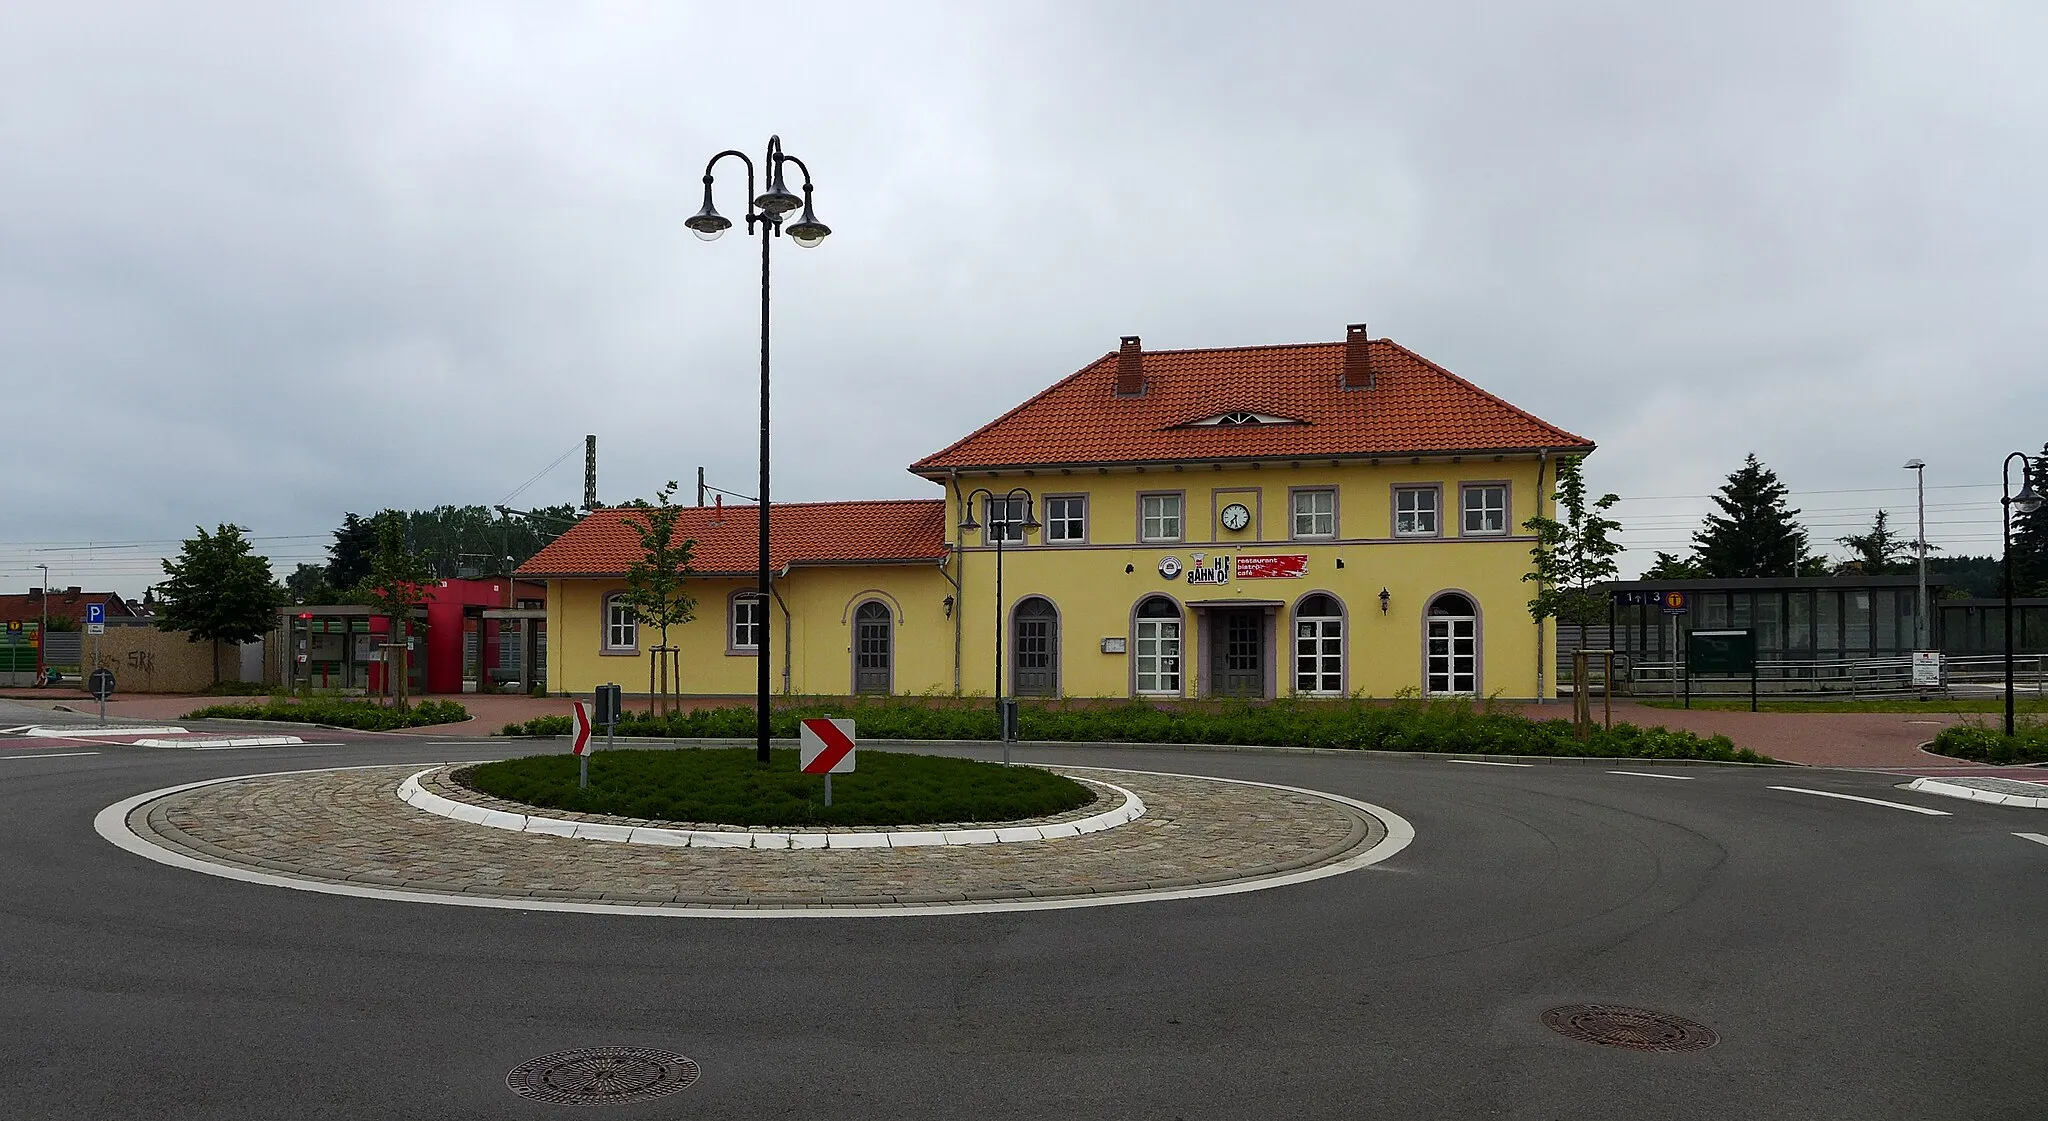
x=349, y=826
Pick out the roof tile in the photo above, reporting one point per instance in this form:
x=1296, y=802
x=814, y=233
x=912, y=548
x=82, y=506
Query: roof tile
x=728, y=538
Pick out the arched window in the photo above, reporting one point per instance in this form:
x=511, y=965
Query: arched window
x=621, y=626
x=1035, y=668
x=1450, y=646
x=1156, y=657
x=1319, y=646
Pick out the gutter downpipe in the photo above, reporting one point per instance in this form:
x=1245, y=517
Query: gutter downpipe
x=777, y=593
x=959, y=590
x=1542, y=462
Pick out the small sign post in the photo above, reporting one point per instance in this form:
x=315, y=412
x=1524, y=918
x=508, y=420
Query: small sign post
x=826, y=746
x=581, y=748
x=1730, y=652
x=1927, y=669
x=101, y=685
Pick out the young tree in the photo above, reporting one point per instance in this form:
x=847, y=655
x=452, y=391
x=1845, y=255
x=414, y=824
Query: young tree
x=219, y=591
x=654, y=584
x=397, y=583
x=348, y=559
x=1573, y=557
x=1754, y=534
x=1668, y=567
x=1879, y=552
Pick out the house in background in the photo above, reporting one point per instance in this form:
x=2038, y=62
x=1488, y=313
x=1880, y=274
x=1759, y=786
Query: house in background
x=470, y=635
x=1316, y=519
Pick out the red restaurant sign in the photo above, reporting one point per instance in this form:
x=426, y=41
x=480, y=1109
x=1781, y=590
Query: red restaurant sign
x=1284, y=566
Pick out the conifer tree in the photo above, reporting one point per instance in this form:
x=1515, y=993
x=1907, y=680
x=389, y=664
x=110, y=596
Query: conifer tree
x=2030, y=537
x=1754, y=534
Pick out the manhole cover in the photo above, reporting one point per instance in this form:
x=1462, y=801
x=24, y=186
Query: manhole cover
x=602, y=1076
x=1636, y=1028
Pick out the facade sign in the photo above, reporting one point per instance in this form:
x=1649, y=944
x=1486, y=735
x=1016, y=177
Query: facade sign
x=1927, y=667
x=1676, y=603
x=1285, y=566
x=1169, y=567
x=1217, y=571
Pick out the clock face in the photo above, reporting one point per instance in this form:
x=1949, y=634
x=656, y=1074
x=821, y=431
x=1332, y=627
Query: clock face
x=1235, y=516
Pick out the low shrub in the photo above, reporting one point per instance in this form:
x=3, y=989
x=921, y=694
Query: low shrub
x=1983, y=744
x=236, y=689
x=1450, y=726
x=726, y=786
x=362, y=715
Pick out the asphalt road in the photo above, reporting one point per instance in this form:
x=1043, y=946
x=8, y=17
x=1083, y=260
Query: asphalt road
x=1857, y=961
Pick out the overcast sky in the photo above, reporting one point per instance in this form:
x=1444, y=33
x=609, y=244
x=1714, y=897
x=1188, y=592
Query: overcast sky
x=267, y=263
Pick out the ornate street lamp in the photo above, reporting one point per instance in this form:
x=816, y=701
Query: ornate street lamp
x=999, y=528
x=767, y=211
x=2026, y=502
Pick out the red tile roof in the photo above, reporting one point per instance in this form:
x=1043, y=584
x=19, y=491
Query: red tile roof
x=728, y=541
x=25, y=608
x=1414, y=407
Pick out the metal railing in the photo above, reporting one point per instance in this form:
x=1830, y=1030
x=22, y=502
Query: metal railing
x=1857, y=677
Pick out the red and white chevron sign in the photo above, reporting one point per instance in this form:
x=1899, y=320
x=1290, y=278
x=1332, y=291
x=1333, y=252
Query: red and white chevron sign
x=827, y=746
x=582, y=746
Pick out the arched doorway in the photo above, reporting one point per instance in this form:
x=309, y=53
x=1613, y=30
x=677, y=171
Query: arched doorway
x=1450, y=659
x=1035, y=649
x=1319, y=646
x=873, y=649
x=1155, y=661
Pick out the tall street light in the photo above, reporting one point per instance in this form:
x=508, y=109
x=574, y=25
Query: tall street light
x=1919, y=470
x=2026, y=502
x=43, y=635
x=765, y=210
x=999, y=527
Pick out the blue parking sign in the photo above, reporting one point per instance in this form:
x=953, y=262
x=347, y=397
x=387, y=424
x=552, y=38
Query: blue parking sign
x=95, y=612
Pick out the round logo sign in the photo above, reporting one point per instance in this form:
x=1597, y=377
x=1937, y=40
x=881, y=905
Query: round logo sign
x=1169, y=567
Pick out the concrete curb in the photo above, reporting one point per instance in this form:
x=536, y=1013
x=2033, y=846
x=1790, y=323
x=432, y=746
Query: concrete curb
x=1975, y=794
x=1242, y=748
x=413, y=794
x=229, y=741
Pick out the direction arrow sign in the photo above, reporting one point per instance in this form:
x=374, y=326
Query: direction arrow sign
x=827, y=746
x=582, y=730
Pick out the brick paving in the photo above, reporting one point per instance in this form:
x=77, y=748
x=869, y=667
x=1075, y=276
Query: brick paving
x=350, y=826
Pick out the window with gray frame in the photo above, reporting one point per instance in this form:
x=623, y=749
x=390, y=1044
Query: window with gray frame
x=1315, y=513
x=746, y=622
x=1159, y=517
x=1003, y=517
x=621, y=626
x=1415, y=512
x=1066, y=519
x=1486, y=510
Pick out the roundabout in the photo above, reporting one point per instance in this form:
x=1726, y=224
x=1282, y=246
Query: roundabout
x=418, y=834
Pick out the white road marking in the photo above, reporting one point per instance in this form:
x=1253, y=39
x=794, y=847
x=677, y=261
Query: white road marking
x=1871, y=801
x=58, y=755
x=2034, y=837
x=16, y=730
x=1488, y=763
x=1652, y=774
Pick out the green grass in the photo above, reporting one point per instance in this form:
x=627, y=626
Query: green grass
x=1852, y=704
x=336, y=713
x=1411, y=725
x=726, y=786
x=1986, y=744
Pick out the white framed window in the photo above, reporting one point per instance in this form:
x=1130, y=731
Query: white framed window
x=1066, y=519
x=1158, y=647
x=1319, y=647
x=621, y=626
x=1315, y=513
x=1415, y=510
x=747, y=621
x=1159, y=517
x=1004, y=518
x=1486, y=509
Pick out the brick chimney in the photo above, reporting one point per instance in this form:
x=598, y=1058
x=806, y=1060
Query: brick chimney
x=1357, y=360
x=1130, y=368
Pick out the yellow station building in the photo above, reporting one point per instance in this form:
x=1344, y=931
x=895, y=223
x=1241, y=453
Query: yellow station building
x=1321, y=519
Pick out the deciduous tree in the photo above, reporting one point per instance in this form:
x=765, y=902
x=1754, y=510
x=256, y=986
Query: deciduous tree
x=1574, y=556
x=655, y=582
x=398, y=582
x=219, y=590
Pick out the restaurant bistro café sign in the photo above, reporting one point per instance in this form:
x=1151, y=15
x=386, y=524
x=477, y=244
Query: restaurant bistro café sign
x=1217, y=569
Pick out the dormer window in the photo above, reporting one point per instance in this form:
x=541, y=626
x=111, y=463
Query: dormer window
x=1240, y=419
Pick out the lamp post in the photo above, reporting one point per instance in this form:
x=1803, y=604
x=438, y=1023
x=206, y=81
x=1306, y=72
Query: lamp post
x=2026, y=502
x=766, y=211
x=999, y=528
x=43, y=635
x=1919, y=470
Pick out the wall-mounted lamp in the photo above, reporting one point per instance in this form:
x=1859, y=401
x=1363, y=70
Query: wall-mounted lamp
x=1340, y=562
x=1384, y=598
x=948, y=603
x=1130, y=568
